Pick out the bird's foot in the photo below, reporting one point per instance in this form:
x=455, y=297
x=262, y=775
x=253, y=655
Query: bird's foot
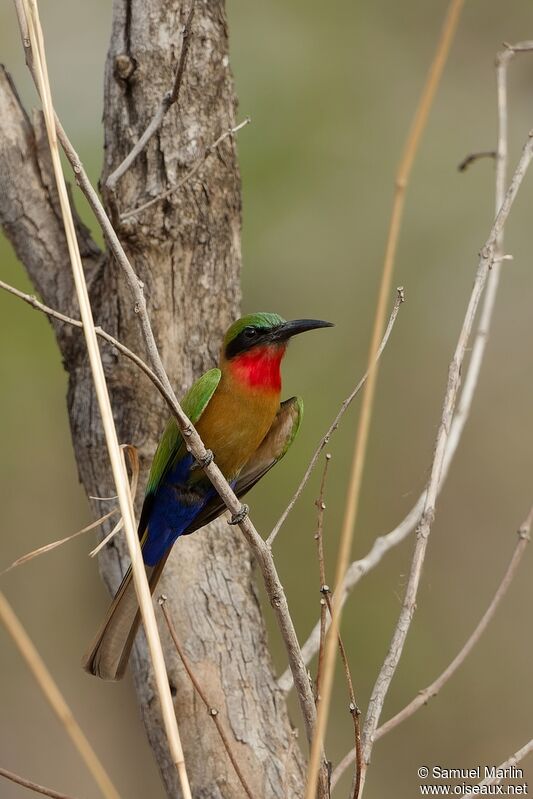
x=241, y=515
x=206, y=460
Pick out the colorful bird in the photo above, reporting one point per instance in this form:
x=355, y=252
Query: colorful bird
x=237, y=412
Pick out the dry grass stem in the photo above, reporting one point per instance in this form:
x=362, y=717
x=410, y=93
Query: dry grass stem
x=188, y=175
x=105, y=541
x=400, y=299
x=34, y=29
x=49, y=547
x=352, y=502
x=423, y=696
x=212, y=711
x=32, y=786
x=133, y=457
x=167, y=102
x=55, y=698
x=423, y=531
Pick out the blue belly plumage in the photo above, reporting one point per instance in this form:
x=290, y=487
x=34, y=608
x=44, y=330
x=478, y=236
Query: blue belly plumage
x=175, y=505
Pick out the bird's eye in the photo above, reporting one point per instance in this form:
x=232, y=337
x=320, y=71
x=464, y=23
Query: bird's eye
x=250, y=332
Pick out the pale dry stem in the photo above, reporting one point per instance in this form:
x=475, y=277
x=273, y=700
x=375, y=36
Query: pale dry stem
x=55, y=698
x=35, y=34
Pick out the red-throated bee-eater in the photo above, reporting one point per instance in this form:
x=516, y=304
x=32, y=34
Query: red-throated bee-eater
x=237, y=412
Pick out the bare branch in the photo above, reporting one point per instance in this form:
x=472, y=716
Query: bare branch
x=511, y=761
x=473, y=157
x=49, y=547
x=423, y=696
x=192, y=171
x=423, y=531
x=384, y=544
x=432, y=690
x=33, y=786
x=55, y=698
x=519, y=47
x=212, y=711
x=167, y=102
x=400, y=298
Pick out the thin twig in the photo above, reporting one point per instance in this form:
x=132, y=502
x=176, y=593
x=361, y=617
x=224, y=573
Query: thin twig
x=133, y=456
x=195, y=445
x=432, y=690
x=212, y=711
x=29, y=299
x=511, y=761
x=384, y=544
x=55, y=698
x=354, y=710
x=519, y=47
x=473, y=157
x=33, y=786
x=424, y=528
x=192, y=171
x=325, y=606
x=166, y=103
x=361, y=440
x=400, y=299
x=124, y=497
x=49, y=547
x=424, y=696
x=321, y=507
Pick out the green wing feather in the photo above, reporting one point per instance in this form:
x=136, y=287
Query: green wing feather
x=272, y=449
x=171, y=446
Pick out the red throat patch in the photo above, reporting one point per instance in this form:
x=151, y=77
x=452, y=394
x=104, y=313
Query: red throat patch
x=259, y=367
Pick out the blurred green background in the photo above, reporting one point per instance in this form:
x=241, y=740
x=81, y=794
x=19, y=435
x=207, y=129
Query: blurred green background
x=330, y=89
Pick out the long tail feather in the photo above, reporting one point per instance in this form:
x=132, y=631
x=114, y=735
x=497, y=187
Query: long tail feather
x=108, y=655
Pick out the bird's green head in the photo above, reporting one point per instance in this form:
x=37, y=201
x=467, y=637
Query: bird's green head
x=255, y=344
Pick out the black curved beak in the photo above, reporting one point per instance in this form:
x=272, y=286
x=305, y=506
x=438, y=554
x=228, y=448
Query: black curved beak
x=289, y=329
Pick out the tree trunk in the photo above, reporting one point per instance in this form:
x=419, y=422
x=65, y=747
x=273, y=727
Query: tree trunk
x=186, y=251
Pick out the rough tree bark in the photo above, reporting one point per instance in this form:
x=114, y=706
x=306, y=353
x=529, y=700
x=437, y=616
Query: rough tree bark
x=186, y=250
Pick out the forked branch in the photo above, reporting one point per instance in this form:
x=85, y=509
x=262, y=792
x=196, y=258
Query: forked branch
x=486, y=261
x=424, y=696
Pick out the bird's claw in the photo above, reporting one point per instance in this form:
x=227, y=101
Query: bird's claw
x=241, y=515
x=207, y=459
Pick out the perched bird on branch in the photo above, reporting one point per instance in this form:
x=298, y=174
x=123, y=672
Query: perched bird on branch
x=237, y=412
